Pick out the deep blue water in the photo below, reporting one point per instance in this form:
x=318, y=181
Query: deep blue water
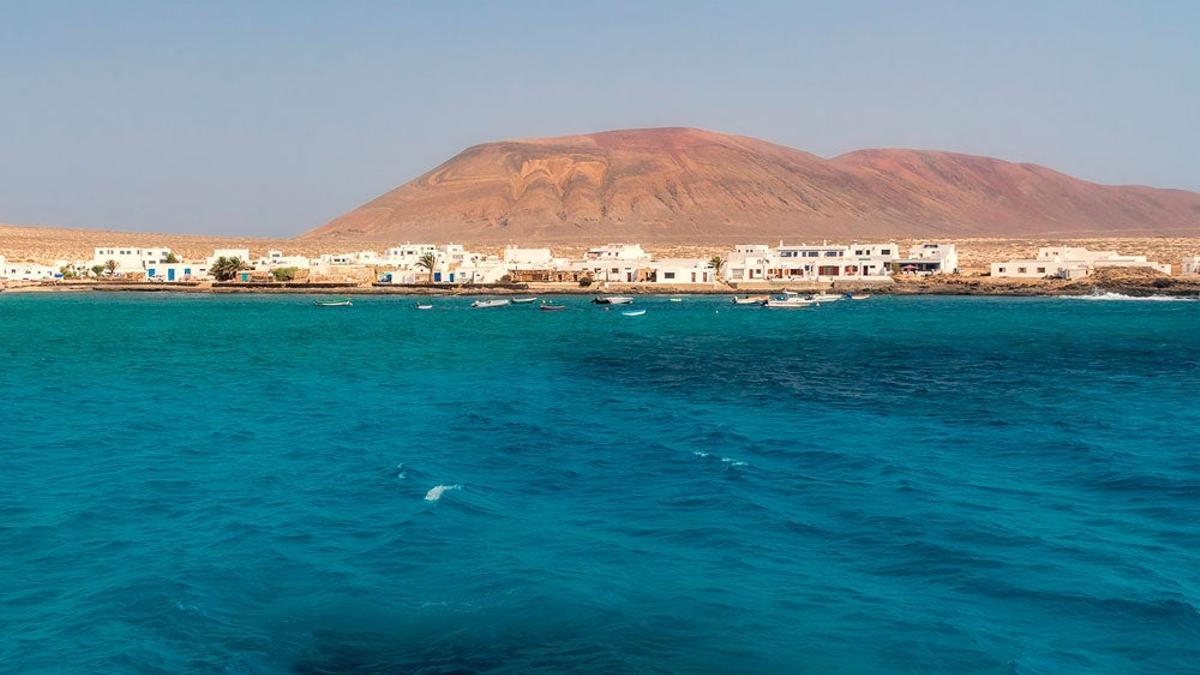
x=238, y=484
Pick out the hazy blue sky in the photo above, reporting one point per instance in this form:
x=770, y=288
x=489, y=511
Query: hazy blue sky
x=271, y=118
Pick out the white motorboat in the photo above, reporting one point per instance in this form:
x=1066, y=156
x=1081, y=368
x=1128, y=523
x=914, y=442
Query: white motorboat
x=790, y=300
x=334, y=303
x=485, y=304
x=860, y=297
x=613, y=300
x=420, y=306
x=751, y=299
x=523, y=301
x=633, y=312
x=827, y=297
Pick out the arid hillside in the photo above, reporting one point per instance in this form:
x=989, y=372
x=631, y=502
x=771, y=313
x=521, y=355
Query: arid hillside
x=680, y=185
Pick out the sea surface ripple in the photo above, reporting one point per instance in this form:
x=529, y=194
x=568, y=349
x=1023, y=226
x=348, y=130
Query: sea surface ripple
x=256, y=485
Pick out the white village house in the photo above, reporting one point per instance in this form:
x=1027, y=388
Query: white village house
x=129, y=259
x=1191, y=265
x=682, y=271
x=1067, y=262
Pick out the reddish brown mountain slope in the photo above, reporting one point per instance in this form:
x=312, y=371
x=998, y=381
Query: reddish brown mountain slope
x=689, y=185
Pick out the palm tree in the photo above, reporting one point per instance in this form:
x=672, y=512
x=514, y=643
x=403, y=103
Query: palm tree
x=97, y=269
x=111, y=266
x=225, y=269
x=716, y=262
x=428, y=261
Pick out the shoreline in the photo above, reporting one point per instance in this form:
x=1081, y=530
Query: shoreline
x=1132, y=285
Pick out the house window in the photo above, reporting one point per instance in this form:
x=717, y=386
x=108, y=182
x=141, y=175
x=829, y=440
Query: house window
x=668, y=275
x=1021, y=270
x=1001, y=269
x=886, y=251
x=1041, y=270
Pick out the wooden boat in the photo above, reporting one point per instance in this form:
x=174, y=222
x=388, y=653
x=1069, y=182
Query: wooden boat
x=333, y=303
x=484, y=304
x=523, y=301
x=552, y=308
x=613, y=300
x=634, y=312
x=751, y=299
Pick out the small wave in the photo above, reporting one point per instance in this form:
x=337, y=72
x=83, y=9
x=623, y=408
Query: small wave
x=1122, y=296
x=400, y=472
x=702, y=454
x=435, y=493
x=734, y=462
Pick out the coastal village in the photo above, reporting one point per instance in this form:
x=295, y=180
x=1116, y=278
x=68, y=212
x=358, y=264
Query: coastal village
x=625, y=264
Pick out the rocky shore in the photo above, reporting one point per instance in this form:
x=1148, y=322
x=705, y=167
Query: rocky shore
x=1125, y=281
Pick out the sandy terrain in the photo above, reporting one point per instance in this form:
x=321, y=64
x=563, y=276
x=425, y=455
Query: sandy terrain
x=45, y=245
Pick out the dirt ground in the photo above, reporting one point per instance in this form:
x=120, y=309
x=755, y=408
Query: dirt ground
x=45, y=245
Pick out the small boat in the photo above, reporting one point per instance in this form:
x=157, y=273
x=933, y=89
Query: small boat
x=676, y=299
x=864, y=296
x=750, y=300
x=552, y=308
x=420, y=306
x=484, y=304
x=826, y=297
x=790, y=300
x=613, y=300
x=523, y=301
x=634, y=312
x=333, y=303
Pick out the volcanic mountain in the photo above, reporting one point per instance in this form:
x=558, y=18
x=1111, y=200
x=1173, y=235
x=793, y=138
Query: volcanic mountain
x=679, y=185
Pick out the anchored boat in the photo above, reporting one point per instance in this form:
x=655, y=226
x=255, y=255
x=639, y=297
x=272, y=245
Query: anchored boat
x=790, y=300
x=523, y=301
x=751, y=299
x=613, y=300
x=484, y=304
x=634, y=312
x=332, y=303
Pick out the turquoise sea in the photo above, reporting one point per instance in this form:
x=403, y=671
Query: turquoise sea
x=197, y=483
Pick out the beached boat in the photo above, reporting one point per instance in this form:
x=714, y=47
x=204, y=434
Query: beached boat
x=523, y=301
x=790, y=300
x=420, y=306
x=332, y=303
x=485, y=304
x=751, y=299
x=634, y=312
x=613, y=300
x=552, y=308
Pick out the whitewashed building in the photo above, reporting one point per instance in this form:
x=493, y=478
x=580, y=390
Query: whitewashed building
x=749, y=262
x=27, y=271
x=682, y=271
x=129, y=259
x=1191, y=265
x=276, y=260
x=622, y=263
x=1069, y=262
x=176, y=271
x=929, y=258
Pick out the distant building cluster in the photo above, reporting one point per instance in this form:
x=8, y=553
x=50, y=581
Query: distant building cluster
x=615, y=263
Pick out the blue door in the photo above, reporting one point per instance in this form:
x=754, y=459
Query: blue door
x=437, y=276
x=170, y=274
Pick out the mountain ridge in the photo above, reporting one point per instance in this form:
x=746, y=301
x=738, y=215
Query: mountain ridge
x=681, y=184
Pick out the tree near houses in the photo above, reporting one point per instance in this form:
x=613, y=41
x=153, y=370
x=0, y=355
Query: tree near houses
x=111, y=266
x=97, y=269
x=428, y=261
x=171, y=258
x=225, y=269
x=716, y=262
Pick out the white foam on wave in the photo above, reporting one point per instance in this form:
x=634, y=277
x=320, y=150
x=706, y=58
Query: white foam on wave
x=734, y=462
x=402, y=473
x=1139, y=298
x=435, y=493
x=702, y=454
